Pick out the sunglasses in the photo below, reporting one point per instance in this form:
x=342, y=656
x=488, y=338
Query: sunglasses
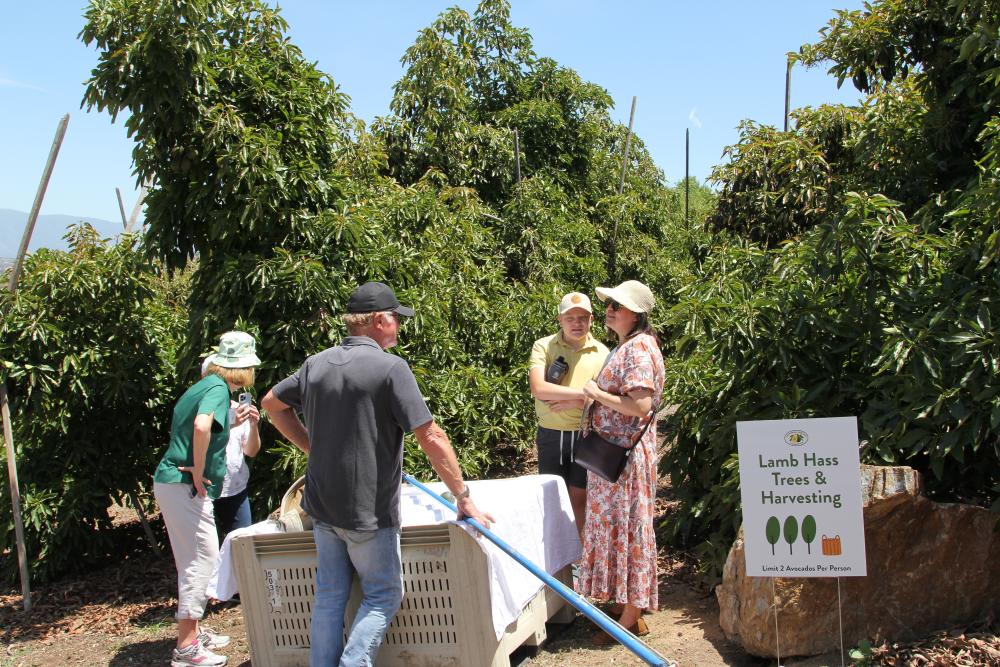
x=614, y=305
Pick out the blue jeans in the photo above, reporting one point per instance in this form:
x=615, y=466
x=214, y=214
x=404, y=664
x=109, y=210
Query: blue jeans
x=375, y=557
x=231, y=512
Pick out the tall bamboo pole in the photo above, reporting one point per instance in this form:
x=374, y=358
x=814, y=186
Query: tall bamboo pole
x=143, y=191
x=121, y=207
x=8, y=427
x=628, y=143
x=15, y=497
x=687, y=176
x=37, y=205
x=517, y=155
x=788, y=91
x=613, y=255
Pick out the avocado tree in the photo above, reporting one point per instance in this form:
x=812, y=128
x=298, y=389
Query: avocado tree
x=854, y=270
x=87, y=348
x=289, y=202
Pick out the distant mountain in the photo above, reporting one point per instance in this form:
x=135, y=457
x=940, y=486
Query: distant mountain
x=49, y=230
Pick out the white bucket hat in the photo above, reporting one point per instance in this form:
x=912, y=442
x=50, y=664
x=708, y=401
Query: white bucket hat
x=236, y=350
x=632, y=294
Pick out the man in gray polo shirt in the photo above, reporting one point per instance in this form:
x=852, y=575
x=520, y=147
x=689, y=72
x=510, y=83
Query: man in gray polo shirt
x=358, y=401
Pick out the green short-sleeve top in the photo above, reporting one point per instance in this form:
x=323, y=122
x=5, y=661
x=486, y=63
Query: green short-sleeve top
x=209, y=396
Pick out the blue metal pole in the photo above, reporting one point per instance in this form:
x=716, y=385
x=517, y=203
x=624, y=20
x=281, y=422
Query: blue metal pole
x=590, y=611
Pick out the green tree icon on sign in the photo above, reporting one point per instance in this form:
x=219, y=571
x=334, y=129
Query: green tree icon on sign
x=791, y=531
x=773, y=532
x=808, y=531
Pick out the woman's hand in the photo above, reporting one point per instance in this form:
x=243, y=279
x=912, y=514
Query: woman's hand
x=636, y=403
x=592, y=391
x=199, y=482
x=245, y=412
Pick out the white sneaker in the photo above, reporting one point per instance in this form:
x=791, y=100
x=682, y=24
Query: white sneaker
x=210, y=640
x=196, y=655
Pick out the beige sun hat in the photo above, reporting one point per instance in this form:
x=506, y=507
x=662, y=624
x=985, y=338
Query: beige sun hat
x=575, y=300
x=632, y=294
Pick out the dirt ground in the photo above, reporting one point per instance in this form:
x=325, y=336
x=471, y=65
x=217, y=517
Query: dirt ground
x=122, y=615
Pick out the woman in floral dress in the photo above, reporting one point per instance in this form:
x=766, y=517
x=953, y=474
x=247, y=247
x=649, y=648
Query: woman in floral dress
x=619, y=544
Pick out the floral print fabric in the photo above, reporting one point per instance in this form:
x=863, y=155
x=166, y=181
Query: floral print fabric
x=619, y=543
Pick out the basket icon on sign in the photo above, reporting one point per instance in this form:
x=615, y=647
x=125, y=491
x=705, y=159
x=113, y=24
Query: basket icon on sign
x=832, y=546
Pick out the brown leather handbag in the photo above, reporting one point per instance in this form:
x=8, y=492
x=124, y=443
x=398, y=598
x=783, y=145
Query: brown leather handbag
x=601, y=457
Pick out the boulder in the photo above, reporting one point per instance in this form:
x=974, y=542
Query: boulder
x=931, y=566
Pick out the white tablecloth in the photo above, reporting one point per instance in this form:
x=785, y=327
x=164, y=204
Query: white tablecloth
x=533, y=515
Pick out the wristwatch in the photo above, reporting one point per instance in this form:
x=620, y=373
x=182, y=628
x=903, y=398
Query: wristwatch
x=464, y=494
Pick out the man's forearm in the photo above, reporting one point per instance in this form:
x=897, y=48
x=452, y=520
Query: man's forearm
x=547, y=391
x=290, y=426
x=439, y=451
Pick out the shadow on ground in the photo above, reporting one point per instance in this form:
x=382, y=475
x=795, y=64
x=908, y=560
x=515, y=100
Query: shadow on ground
x=153, y=652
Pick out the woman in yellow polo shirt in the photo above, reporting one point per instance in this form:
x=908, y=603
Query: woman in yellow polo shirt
x=561, y=364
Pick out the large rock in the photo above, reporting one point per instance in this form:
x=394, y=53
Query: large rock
x=931, y=566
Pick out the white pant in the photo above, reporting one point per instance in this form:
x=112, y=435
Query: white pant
x=190, y=522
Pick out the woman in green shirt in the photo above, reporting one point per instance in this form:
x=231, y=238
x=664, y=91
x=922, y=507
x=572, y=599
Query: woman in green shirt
x=187, y=480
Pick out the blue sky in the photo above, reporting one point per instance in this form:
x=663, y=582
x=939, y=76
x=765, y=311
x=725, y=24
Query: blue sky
x=698, y=65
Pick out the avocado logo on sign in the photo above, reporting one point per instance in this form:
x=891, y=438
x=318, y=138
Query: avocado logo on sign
x=796, y=438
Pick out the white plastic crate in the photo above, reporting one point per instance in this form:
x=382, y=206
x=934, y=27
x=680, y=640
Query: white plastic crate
x=444, y=619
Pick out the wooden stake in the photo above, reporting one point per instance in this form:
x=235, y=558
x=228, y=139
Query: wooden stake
x=628, y=143
x=687, y=176
x=143, y=191
x=36, y=207
x=517, y=155
x=788, y=92
x=121, y=208
x=8, y=428
x=612, y=256
x=145, y=524
x=15, y=498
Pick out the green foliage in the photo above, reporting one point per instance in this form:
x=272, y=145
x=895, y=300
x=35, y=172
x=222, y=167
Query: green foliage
x=237, y=129
x=86, y=349
x=947, y=48
x=866, y=281
x=862, y=654
x=290, y=202
x=775, y=185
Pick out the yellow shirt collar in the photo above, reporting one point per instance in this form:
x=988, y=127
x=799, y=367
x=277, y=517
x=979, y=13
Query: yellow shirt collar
x=589, y=342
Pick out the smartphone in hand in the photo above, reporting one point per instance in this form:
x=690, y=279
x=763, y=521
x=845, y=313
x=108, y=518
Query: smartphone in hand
x=245, y=398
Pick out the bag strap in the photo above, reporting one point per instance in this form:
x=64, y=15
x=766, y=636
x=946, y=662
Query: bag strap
x=649, y=420
x=590, y=408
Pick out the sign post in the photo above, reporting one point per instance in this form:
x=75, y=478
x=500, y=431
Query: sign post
x=800, y=482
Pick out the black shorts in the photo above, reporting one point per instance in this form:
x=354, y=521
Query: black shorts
x=554, y=459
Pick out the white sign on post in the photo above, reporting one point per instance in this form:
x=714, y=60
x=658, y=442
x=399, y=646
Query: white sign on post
x=800, y=480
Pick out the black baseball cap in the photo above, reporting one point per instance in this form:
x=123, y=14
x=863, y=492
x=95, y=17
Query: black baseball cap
x=375, y=297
